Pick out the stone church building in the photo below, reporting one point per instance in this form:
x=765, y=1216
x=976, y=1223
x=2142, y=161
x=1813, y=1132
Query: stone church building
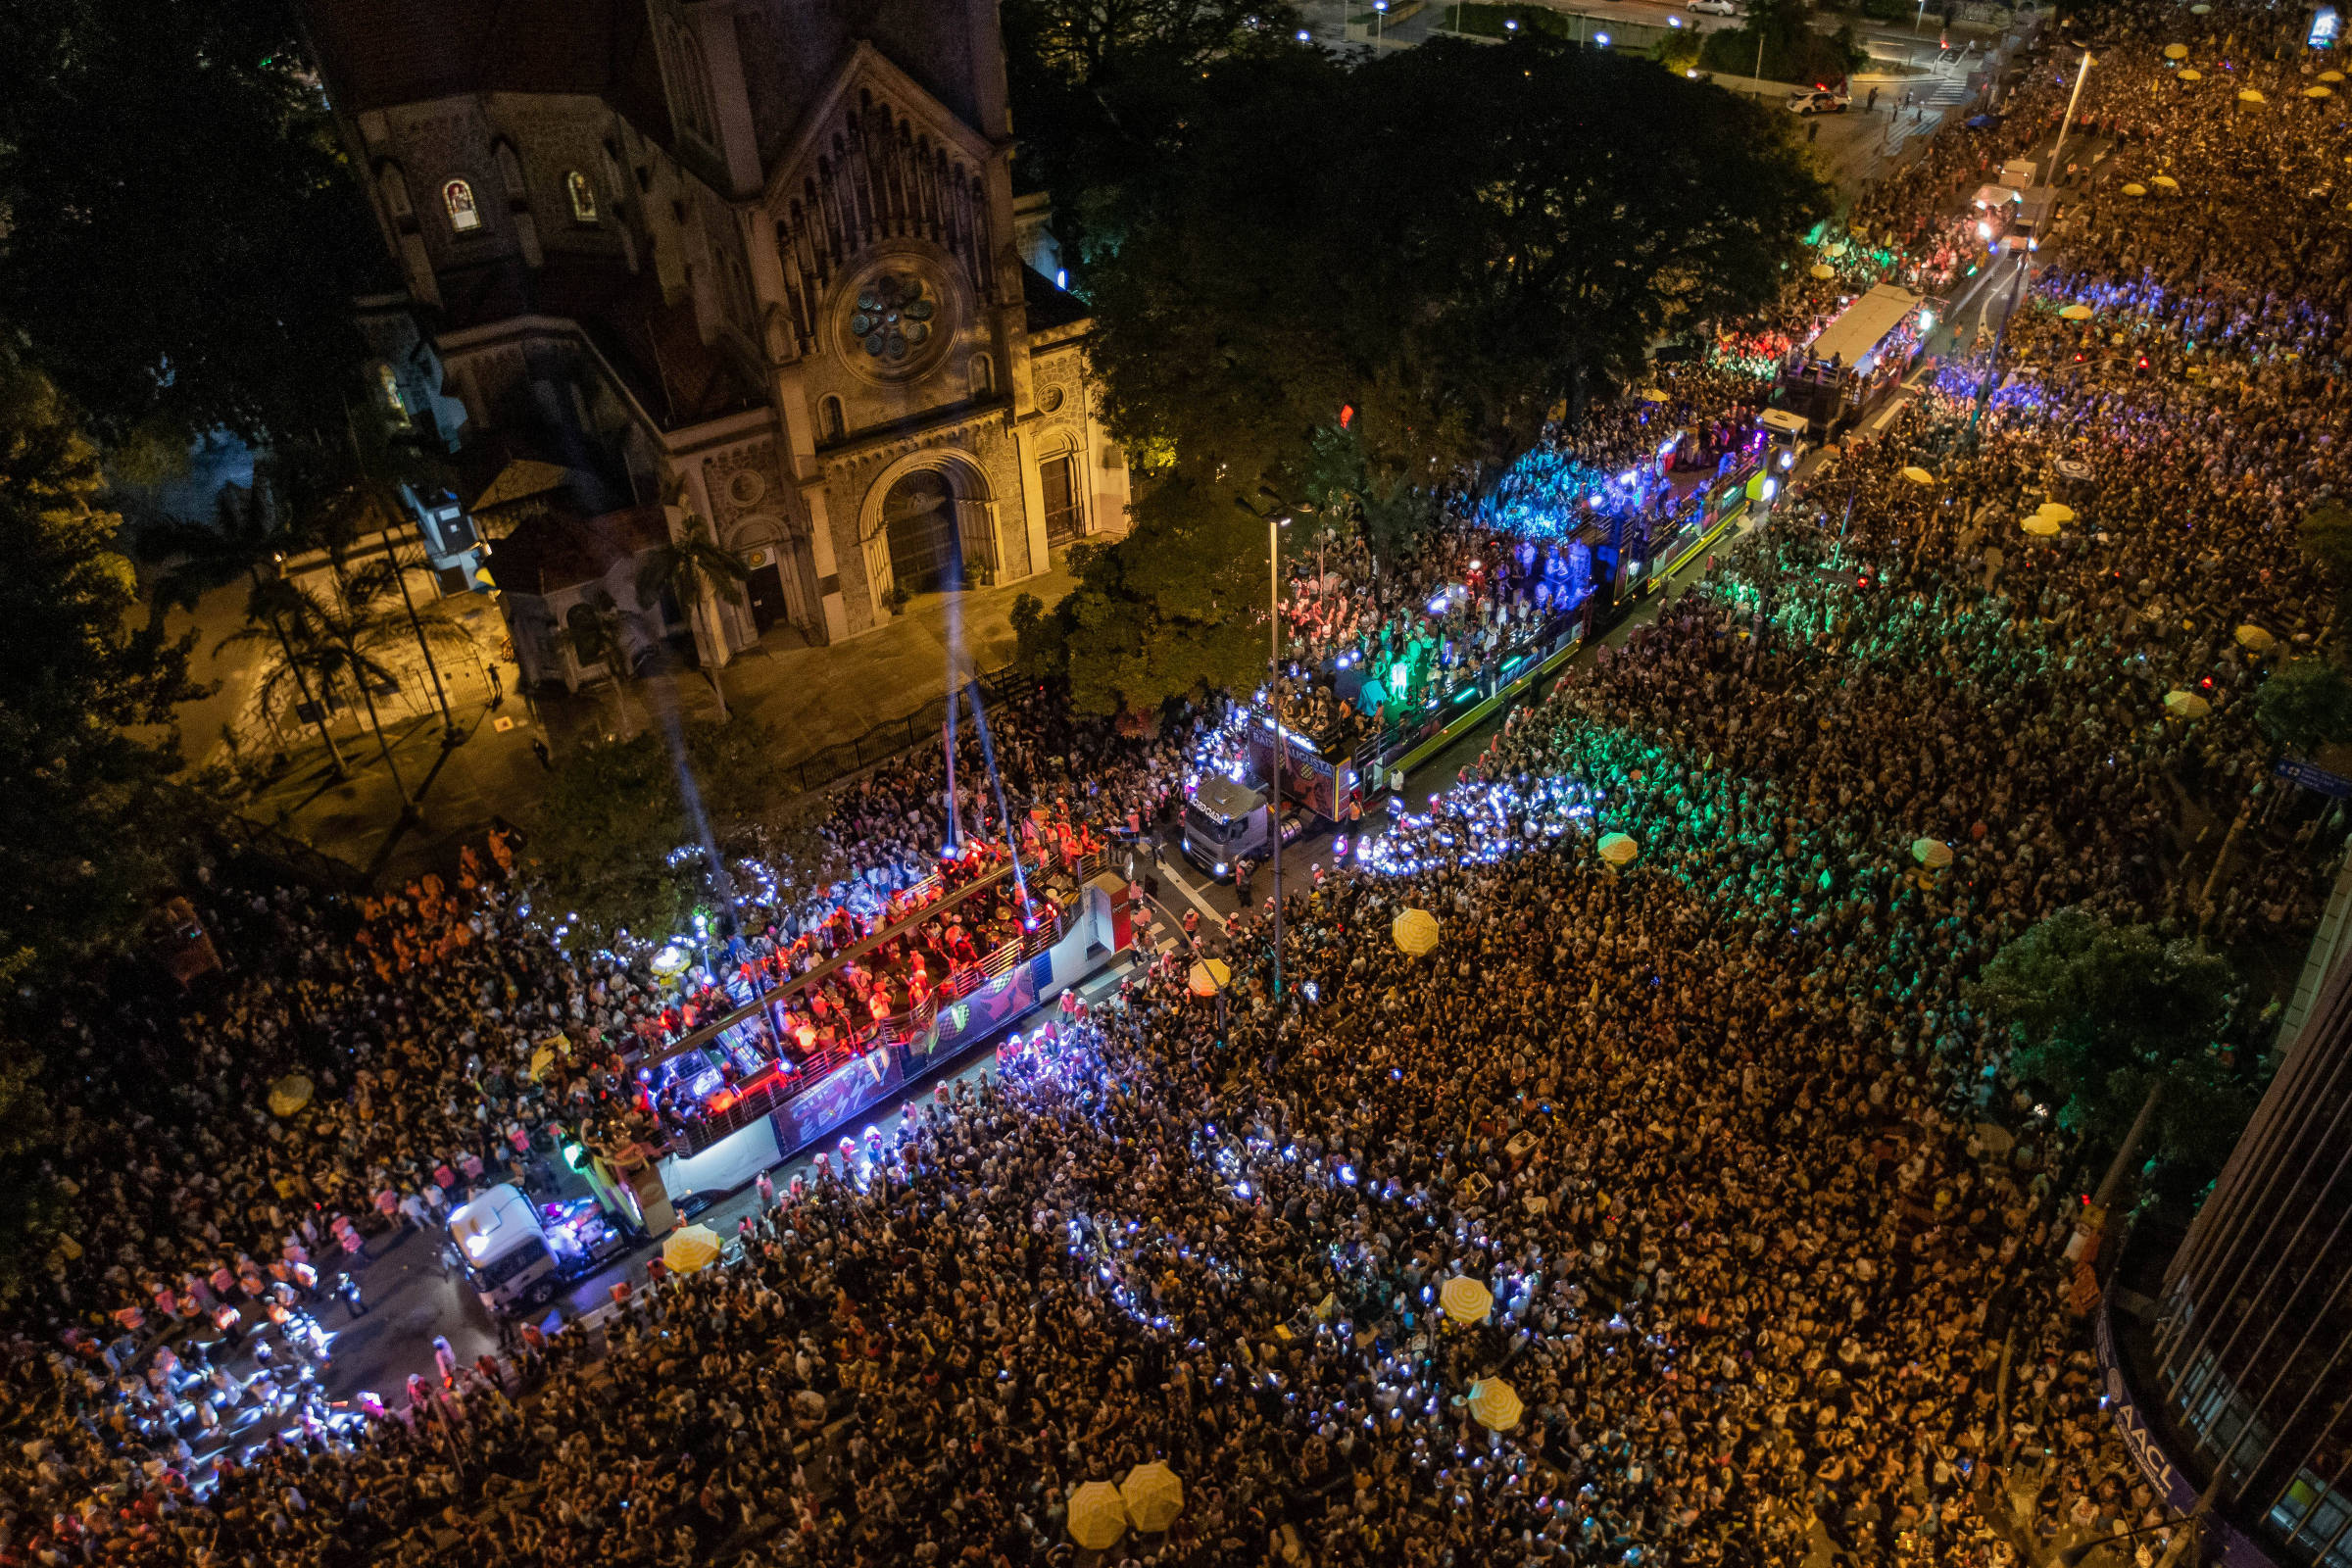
x=759, y=259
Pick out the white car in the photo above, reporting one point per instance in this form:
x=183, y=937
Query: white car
x=1713, y=8
x=1818, y=102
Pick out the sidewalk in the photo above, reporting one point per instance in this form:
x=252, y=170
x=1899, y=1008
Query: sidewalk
x=813, y=697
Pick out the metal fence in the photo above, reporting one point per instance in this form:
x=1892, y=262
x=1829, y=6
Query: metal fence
x=890, y=738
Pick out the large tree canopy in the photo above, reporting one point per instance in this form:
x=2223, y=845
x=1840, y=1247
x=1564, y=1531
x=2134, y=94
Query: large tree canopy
x=1448, y=241
x=2102, y=1014
x=1343, y=284
x=180, y=239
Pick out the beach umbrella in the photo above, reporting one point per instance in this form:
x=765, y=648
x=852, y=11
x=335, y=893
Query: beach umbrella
x=1917, y=476
x=2252, y=95
x=2076, y=312
x=1208, y=977
x=2166, y=181
x=2255, y=640
x=2191, y=73
x=2176, y=51
x=2040, y=526
x=1153, y=1496
x=1415, y=931
x=289, y=1095
x=1619, y=850
x=694, y=1248
x=2055, y=511
x=1465, y=1299
x=2136, y=189
x=1822, y=270
x=2186, y=705
x=1494, y=1404
x=1097, y=1518
x=1933, y=854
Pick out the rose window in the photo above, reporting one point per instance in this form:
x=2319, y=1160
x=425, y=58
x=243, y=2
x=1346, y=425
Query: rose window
x=893, y=318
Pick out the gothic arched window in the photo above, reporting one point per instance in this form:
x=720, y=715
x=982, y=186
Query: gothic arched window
x=458, y=197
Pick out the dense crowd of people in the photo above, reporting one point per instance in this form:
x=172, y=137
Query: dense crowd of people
x=1767, y=1223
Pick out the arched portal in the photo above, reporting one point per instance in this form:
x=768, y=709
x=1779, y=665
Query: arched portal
x=926, y=554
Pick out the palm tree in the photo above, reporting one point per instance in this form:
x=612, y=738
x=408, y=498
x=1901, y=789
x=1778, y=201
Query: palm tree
x=246, y=540
x=341, y=639
x=693, y=567
x=599, y=635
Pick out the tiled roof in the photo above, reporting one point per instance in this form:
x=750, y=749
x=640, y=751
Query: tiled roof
x=554, y=550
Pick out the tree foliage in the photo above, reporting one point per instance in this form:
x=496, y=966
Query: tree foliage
x=1175, y=610
x=2306, y=706
x=620, y=843
x=1444, y=242
x=80, y=671
x=2101, y=1014
x=2327, y=534
x=184, y=238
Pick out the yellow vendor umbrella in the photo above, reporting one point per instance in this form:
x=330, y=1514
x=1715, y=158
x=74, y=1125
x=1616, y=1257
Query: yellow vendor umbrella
x=542, y=1059
x=1097, y=1518
x=2191, y=73
x=2136, y=189
x=2319, y=92
x=694, y=1248
x=1208, y=977
x=1465, y=1299
x=1496, y=1405
x=1619, y=850
x=2200, y=9
x=2332, y=76
x=2040, y=526
x=1933, y=854
x=1824, y=270
x=1917, y=476
x=1656, y=395
x=2186, y=705
x=289, y=1095
x=2165, y=183
x=2176, y=51
x=1153, y=1496
x=2055, y=511
x=2076, y=312
x=1415, y=931
x=2252, y=95
x=2255, y=640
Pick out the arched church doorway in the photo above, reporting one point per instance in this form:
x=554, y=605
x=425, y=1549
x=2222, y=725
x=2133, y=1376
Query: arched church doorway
x=925, y=553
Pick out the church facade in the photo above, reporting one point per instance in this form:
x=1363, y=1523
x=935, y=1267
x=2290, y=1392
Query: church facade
x=756, y=262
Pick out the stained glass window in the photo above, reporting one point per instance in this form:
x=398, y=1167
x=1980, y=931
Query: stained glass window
x=893, y=318
x=458, y=197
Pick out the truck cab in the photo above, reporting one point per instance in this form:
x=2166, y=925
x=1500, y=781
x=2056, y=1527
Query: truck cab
x=508, y=1261
x=1224, y=821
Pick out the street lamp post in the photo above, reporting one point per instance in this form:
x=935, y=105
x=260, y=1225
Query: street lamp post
x=2072, y=100
x=1380, y=15
x=1274, y=524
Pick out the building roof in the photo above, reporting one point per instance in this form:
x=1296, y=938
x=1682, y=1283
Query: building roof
x=1048, y=305
x=555, y=550
x=1858, y=330
x=382, y=53
x=655, y=345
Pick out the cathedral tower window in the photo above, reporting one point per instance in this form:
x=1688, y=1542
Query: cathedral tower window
x=464, y=216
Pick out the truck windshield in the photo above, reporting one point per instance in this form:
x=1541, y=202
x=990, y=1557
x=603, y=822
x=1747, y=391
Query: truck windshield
x=491, y=1275
x=1217, y=830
